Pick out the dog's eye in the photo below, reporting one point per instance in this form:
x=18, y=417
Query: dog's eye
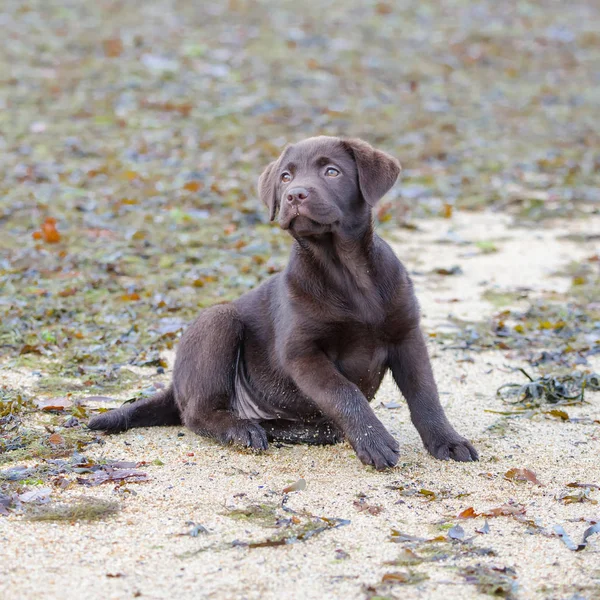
x=286, y=177
x=331, y=172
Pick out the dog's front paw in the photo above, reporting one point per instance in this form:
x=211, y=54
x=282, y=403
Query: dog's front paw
x=375, y=446
x=451, y=445
x=247, y=435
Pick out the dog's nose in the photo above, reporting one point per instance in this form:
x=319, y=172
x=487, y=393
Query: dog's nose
x=297, y=195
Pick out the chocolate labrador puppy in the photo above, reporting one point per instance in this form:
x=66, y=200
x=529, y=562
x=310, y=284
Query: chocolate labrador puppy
x=300, y=357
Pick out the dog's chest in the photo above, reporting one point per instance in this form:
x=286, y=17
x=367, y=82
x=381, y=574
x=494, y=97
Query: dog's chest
x=359, y=354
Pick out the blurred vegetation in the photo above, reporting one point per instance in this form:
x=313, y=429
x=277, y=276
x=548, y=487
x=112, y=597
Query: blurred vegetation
x=132, y=136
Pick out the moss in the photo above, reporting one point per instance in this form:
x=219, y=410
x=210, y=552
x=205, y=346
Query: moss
x=264, y=515
x=84, y=508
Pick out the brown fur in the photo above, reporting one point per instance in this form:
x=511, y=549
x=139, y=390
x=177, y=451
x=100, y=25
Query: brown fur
x=300, y=357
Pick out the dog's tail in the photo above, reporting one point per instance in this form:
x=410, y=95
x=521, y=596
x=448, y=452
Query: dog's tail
x=159, y=409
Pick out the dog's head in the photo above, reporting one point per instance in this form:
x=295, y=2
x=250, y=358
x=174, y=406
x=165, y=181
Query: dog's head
x=323, y=183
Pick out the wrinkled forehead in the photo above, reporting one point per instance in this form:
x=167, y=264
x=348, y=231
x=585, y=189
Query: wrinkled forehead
x=317, y=152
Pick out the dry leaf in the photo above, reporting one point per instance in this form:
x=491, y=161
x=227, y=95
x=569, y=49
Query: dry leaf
x=559, y=414
x=112, y=47
x=383, y=8
x=39, y=495
x=372, y=509
x=295, y=487
x=468, y=513
x=56, y=439
x=506, y=510
x=522, y=475
x=396, y=577
x=53, y=404
x=192, y=186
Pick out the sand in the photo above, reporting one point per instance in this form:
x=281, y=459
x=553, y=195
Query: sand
x=139, y=552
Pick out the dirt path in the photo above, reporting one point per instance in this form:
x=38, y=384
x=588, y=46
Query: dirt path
x=140, y=552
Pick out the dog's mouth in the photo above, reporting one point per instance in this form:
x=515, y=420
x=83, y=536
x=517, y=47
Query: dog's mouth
x=304, y=226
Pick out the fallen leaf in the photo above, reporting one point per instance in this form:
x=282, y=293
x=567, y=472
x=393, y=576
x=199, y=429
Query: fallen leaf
x=485, y=529
x=372, y=509
x=455, y=270
x=398, y=536
x=583, y=495
x=6, y=502
x=468, y=513
x=506, y=510
x=383, y=8
x=295, y=487
x=559, y=414
x=522, y=475
x=39, y=495
x=192, y=186
x=53, y=404
x=562, y=534
x=584, y=485
x=112, y=47
x=49, y=231
x=56, y=439
x=409, y=578
x=132, y=297
x=588, y=533
x=456, y=533
x=30, y=349
x=428, y=494
x=110, y=474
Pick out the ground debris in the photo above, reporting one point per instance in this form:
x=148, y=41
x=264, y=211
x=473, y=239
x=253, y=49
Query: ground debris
x=520, y=474
x=493, y=581
x=558, y=390
x=84, y=508
x=299, y=527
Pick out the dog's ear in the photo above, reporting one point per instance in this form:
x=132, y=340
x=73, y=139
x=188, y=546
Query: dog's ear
x=377, y=170
x=267, y=189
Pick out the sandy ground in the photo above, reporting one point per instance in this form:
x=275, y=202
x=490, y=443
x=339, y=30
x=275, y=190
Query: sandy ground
x=138, y=552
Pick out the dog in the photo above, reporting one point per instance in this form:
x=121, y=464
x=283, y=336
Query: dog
x=299, y=358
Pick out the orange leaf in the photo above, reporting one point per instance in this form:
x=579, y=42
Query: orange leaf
x=395, y=577
x=55, y=439
x=192, y=186
x=112, y=47
x=49, y=232
x=383, y=8
x=468, y=513
x=37, y=235
x=53, y=404
x=67, y=292
x=131, y=297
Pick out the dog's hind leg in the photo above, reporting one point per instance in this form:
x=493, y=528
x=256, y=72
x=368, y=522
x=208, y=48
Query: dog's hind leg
x=294, y=432
x=204, y=376
x=160, y=409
